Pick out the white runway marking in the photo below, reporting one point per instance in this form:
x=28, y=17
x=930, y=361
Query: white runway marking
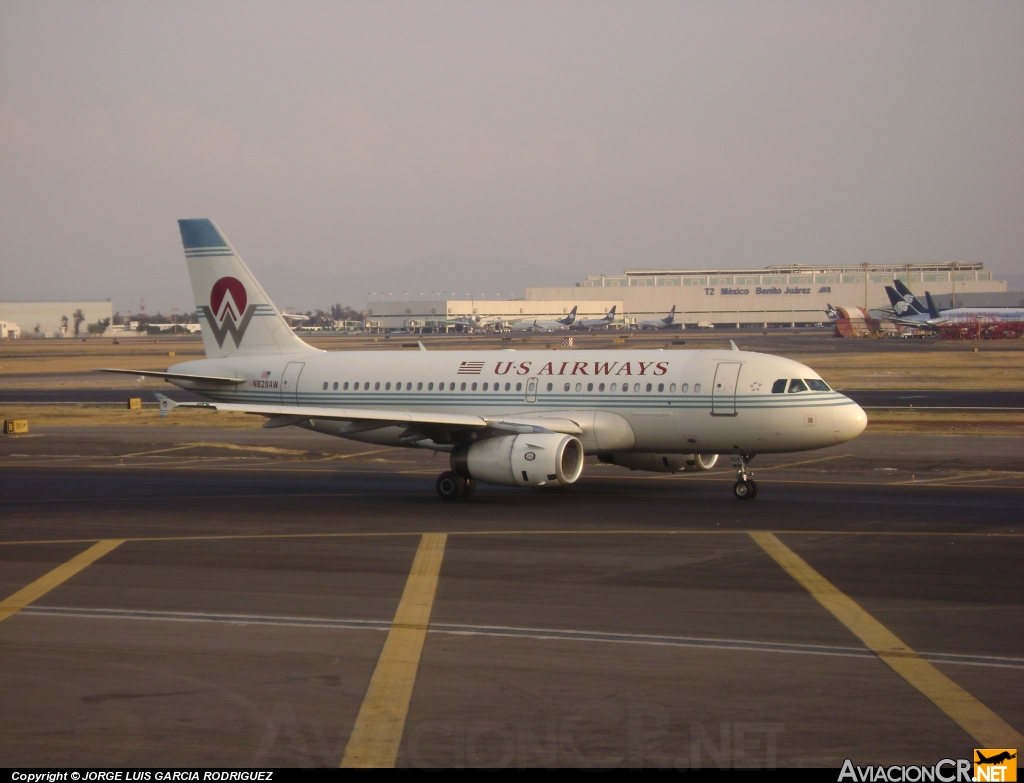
x=546, y=634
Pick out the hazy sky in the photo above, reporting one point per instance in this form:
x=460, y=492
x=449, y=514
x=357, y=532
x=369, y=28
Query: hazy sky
x=332, y=139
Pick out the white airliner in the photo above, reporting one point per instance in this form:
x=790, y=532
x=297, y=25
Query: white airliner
x=597, y=323
x=660, y=323
x=908, y=310
x=537, y=325
x=515, y=418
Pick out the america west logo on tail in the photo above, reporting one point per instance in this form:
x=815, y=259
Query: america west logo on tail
x=227, y=312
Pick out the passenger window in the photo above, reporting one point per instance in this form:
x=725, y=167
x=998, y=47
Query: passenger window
x=452, y=387
x=430, y=386
x=600, y=387
x=387, y=386
x=335, y=386
x=474, y=386
x=325, y=385
x=590, y=387
x=817, y=384
x=463, y=387
x=376, y=386
x=796, y=385
x=579, y=387
x=779, y=386
x=519, y=387
x=346, y=386
x=648, y=387
x=566, y=387
x=485, y=387
x=419, y=386
x=613, y=387
x=551, y=386
x=686, y=388
x=508, y=386
x=696, y=388
x=661, y=387
x=672, y=388
x=636, y=387
x=497, y=387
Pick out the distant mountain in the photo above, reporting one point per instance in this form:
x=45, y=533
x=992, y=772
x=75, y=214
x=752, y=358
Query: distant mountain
x=462, y=278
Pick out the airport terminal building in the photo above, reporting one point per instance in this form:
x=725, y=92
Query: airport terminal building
x=777, y=295
x=441, y=314
x=772, y=296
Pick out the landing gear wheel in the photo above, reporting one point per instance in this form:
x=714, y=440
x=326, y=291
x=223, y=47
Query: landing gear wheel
x=469, y=489
x=449, y=486
x=744, y=490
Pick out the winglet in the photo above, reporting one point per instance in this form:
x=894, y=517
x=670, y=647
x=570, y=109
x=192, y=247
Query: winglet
x=420, y=344
x=733, y=344
x=166, y=404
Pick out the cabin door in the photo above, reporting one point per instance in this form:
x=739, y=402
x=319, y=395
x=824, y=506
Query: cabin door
x=290, y=383
x=723, y=390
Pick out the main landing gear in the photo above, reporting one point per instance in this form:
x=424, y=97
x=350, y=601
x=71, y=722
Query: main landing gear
x=745, y=487
x=452, y=487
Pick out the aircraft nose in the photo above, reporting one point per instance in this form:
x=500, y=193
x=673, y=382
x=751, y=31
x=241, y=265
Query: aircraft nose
x=848, y=421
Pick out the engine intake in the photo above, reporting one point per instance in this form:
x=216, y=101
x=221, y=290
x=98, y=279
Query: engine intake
x=530, y=460
x=660, y=463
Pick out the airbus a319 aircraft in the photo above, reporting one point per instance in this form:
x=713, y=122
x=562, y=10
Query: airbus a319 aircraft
x=514, y=418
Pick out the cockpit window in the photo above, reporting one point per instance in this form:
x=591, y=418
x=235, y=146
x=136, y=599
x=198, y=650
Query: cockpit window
x=796, y=385
x=779, y=386
x=817, y=384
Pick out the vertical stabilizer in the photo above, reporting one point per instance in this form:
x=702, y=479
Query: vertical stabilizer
x=236, y=316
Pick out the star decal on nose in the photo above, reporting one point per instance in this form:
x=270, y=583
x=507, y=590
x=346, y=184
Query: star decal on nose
x=755, y=386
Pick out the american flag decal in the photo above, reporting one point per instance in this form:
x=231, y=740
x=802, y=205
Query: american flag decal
x=470, y=368
x=265, y=374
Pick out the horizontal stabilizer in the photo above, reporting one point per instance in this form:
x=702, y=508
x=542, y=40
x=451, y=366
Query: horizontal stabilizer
x=176, y=375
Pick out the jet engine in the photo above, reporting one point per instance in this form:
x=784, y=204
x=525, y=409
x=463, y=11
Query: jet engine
x=530, y=460
x=660, y=463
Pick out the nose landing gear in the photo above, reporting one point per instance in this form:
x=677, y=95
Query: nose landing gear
x=745, y=487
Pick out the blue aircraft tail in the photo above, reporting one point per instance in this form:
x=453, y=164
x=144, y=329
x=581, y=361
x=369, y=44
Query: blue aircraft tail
x=916, y=305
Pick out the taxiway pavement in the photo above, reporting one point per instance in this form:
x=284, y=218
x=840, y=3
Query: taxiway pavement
x=236, y=610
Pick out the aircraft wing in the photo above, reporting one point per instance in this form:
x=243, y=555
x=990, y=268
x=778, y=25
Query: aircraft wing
x=179, y=375
x=288, y=415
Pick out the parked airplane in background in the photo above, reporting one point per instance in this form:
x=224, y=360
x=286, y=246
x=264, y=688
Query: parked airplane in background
x=469, y=323
x=514, y=418
x=597, y=323
x=909, y=311
x=537, y=325
x=660, y=323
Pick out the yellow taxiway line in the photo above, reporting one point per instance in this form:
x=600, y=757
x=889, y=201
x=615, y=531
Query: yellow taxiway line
x=971, y=715
x=381, y=720
x=44, y=584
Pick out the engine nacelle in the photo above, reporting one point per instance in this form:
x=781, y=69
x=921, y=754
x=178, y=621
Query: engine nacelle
x=660, y=463
x=530, y=460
